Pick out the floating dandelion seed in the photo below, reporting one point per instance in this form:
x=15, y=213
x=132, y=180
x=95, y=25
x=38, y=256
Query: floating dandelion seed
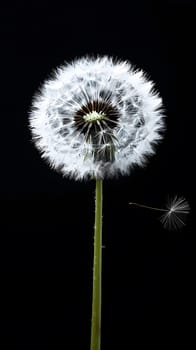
x=97, y=117
x=175, y=215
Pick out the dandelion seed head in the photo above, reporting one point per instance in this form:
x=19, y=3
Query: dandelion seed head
x=96, y=117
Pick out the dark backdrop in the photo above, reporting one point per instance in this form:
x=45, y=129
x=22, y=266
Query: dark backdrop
x=46, y=223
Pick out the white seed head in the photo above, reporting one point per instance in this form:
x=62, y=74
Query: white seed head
x=96, y=117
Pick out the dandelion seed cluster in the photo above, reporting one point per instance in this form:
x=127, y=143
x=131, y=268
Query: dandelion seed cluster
x=96, y=117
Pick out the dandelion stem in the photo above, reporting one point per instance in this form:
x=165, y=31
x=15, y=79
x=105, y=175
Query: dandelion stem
x=97, y=270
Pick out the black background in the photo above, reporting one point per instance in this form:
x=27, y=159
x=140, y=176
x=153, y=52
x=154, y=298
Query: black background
x=46, y=222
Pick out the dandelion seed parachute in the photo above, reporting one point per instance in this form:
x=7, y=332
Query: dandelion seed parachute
x=96, y=117
x=176, y=214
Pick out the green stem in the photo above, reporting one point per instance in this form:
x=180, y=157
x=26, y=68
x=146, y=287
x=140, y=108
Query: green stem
x=97, y=269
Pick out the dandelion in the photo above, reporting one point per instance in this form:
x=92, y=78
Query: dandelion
x=95, y=118
x=175, y=215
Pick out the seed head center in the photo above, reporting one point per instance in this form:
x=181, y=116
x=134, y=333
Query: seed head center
x=93, y=116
